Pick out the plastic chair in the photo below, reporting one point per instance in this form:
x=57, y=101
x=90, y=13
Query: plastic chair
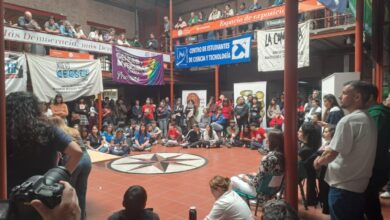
x=267, y=188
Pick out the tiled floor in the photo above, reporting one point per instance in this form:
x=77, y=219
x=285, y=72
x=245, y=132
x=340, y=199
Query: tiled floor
x=171, y=195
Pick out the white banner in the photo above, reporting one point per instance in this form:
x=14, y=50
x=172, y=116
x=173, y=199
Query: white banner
x=70, y=78
x=15, y=72
x=25, y=36
x=256, y=89
x=270, y=48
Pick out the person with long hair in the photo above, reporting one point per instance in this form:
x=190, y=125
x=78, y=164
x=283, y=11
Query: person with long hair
x=333, y=113
x=141, y=139
x=32, y=141
x=119, y=144
x=256, y=112
x=241, y=112
x=210, y=138
x=309, y=141
x=327, y=135
x=228, y=204
x=94, y=139
x=59, y=108
x=273, y=109
x=81, y=110
x=134, y=202
x=163, y=114
x=178, y=113
x=272, y=163
x=79, y=178
x=190, y=112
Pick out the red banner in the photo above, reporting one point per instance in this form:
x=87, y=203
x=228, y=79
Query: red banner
x=260, y=15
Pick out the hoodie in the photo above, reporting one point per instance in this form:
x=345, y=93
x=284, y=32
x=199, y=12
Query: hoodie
x=381, y=116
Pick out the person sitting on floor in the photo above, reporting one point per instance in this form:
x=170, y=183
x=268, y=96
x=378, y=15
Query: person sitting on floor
x=210, y=138
x=257, y=137
x=272, y=163
x=130, y=132
x=173, y=135
x=193, y=138
x=155, y=133
x=134, y=202
x=228, y=204
x=218, y=121
x=119, y=144
x=245, y=137
x=232, y=134
x=204, y=119
x=141, y=139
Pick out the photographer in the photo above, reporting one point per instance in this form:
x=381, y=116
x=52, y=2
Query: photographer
x=32, y=143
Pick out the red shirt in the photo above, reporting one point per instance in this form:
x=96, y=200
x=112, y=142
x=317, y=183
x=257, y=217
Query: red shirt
x=227, y=112
x=148, y=111
x=173, y=133
x=261, y=132
x=278, y=120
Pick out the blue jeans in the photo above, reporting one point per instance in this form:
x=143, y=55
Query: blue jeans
x=163, y=124
x=256, y=145
x=79, y=180
x=345, y=205
x=124, y=150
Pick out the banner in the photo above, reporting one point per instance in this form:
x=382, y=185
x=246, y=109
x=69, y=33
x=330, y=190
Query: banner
x=15, y=72
x=338, y=6
x=270, y=48
x=26, y=36
x=70, y=78
x=200, y=100
x=214, y=52
x=255, y=16
x=255, y=89
x=134, y=70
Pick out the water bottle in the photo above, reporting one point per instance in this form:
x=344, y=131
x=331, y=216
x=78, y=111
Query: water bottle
x=192, y=213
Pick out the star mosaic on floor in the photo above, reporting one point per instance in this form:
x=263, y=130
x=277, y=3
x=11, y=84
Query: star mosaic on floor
x=158, y=163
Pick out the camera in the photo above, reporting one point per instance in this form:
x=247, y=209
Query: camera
x=45, y=188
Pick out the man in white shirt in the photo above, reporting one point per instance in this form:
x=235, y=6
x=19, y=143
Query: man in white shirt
x=351, y=154
x=215, y=15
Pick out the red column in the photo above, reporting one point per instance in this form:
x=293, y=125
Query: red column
x=100, y=111
x=172, y=92
x=216, y=82
x=3, y=143
x=290, y=89
x=359, y=36
x=378, y=13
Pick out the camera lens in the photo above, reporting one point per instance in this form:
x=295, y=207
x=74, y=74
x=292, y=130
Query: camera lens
x=56, y=174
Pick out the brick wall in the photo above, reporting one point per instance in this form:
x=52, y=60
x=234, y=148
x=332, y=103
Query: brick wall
x=81, y=11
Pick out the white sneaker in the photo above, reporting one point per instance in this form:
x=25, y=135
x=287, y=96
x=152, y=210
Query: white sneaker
x=385, y=195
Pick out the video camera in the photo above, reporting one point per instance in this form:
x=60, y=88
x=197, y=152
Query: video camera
x=45, y=188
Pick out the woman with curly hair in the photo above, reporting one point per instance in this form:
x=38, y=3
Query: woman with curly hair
x=32, y=143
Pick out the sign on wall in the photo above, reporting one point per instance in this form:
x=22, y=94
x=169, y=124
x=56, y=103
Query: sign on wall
x=214, y=52
x=70, y=78
x=134, y=70
x=255, y=89
x=270, y=48
x=15, y=72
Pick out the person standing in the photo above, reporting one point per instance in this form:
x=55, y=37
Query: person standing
x=148, y=111
x=350, y=156
x=137, y=112
x=163, y=114
x=241, y=112
x=59, y=108
x=380, y=173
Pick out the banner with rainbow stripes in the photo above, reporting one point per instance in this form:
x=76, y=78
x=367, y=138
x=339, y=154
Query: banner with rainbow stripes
x=134, y=70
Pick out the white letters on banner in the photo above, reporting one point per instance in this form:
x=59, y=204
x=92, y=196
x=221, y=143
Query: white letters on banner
x=25, y=36
x=70, y=78
x=15, y=72
x=270, y=48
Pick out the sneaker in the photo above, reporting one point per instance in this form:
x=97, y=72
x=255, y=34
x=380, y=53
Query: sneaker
x=263, y=151
x=252, y=202
x=385, y=195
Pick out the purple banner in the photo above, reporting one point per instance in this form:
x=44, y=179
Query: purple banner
x=134, y=70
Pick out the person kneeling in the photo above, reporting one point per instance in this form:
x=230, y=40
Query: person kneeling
x=134, y=202
x=119, y=145
x=272, y=163
x=141, y=140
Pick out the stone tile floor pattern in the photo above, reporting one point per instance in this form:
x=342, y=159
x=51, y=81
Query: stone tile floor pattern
x=171, y=195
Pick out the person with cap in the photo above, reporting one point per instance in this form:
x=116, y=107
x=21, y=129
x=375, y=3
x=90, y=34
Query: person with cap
x=119, y=145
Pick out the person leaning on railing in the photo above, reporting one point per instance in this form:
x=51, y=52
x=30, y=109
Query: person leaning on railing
x=27, y=22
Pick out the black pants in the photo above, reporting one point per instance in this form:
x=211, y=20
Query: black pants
x=242, y=123
x=372, y=208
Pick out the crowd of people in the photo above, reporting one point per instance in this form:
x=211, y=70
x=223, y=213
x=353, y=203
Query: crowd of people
x=345, y=157
x=65, y=28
